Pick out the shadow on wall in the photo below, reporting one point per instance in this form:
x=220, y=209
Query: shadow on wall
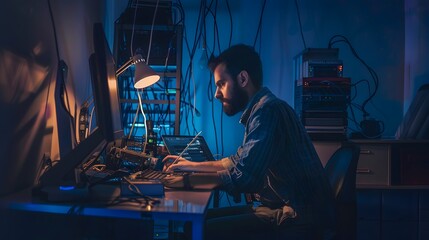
x=26, y=68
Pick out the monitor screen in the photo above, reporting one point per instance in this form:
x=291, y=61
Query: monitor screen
x=105, y=87
x=198, y=151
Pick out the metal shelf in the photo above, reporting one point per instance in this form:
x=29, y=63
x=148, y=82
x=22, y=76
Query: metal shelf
x=161, y=102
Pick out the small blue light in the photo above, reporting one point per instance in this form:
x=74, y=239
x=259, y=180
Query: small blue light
x=67, y=188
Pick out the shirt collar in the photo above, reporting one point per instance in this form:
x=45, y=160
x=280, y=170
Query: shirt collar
x=246, y=114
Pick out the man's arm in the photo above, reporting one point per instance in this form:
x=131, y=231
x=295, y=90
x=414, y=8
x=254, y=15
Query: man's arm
x=204, y=174
x=173, y=163
x=206, y=180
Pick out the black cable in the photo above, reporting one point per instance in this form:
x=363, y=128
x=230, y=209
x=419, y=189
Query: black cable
x=184, y=88
x=351, y=105
x=260, y=23
x=162, y=114
x=221, y=132
x=47, y=99
x=210, y=91
x=216, y=42
x=55, y=30
x=216, y=28
x=186, y=91
x=358, y=82
x=370, y=70
x=58, y=55
x=204, y=30
x=260, y=41
x=300, y=24
x=213, y=117
x=197, y=36
x=182, y=12
x=72, y=121
x=186, y=41
x=200, y=35
x=132, y=31
x=230, y=21
x=45, y=166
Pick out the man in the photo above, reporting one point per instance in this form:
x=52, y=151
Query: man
x=276, y=161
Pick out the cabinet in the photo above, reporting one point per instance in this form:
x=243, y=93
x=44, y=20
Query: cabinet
x=161, y=47
x=392, y=188
x=374, y=164
x=393, y=162
x=385, y=162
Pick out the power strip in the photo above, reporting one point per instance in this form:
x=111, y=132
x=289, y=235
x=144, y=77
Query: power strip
x=64, y=193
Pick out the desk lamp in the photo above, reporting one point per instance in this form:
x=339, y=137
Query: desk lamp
x=144, y=77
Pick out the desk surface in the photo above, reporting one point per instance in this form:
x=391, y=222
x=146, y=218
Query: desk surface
x=392, y=187
x=175, y=205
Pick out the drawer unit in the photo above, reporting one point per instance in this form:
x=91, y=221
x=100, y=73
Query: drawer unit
x=374, y=164
x=385, y=162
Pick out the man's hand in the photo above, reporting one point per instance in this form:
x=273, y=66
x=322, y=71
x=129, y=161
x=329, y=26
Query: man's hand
x=175, y=163
x=173, y=182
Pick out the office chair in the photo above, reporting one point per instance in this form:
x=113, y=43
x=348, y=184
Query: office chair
x=341, y=171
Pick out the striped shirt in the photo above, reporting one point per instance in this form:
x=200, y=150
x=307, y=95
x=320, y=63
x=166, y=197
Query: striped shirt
x=277, y=160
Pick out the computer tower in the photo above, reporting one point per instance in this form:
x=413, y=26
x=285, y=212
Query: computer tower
x=322, y=94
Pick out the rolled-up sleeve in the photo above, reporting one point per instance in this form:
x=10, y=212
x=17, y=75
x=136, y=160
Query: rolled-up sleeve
x=224, y=174
x=227, y=163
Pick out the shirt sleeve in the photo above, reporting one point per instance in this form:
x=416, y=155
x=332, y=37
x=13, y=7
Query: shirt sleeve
x=245, y=170
x=224, y=174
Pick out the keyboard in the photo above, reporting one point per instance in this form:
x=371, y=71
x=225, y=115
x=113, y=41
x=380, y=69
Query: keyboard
x=151, y=174
x=146, y=183
x=94, y=173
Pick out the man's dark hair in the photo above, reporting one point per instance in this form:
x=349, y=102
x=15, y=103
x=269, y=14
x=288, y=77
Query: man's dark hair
x=238, y=58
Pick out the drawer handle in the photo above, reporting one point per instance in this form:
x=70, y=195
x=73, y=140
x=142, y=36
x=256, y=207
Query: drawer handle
x=363, y=171
x=365, y=151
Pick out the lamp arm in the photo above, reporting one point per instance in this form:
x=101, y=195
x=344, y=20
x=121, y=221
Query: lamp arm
x=124, y=67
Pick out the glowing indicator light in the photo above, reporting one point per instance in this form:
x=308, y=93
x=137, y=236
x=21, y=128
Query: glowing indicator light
x=67, y=188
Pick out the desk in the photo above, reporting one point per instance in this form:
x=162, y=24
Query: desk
x=175, y=205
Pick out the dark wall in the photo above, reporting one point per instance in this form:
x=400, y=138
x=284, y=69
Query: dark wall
x=27, y=68
x=29, y=57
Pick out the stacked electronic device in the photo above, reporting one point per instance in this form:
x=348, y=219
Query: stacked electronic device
x=322, y=94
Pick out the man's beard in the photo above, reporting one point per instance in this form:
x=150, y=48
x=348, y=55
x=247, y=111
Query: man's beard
x=237, y=103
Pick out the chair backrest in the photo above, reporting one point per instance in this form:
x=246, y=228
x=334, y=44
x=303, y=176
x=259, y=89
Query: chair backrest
x=341, y=168
x=415, y=124
x=341, y=171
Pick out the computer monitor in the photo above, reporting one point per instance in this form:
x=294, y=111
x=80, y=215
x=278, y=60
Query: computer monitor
x=63, y=172
x=106, y=102
x=105, y=87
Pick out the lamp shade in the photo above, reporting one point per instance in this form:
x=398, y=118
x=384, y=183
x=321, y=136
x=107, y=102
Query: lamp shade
x=144, y=75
